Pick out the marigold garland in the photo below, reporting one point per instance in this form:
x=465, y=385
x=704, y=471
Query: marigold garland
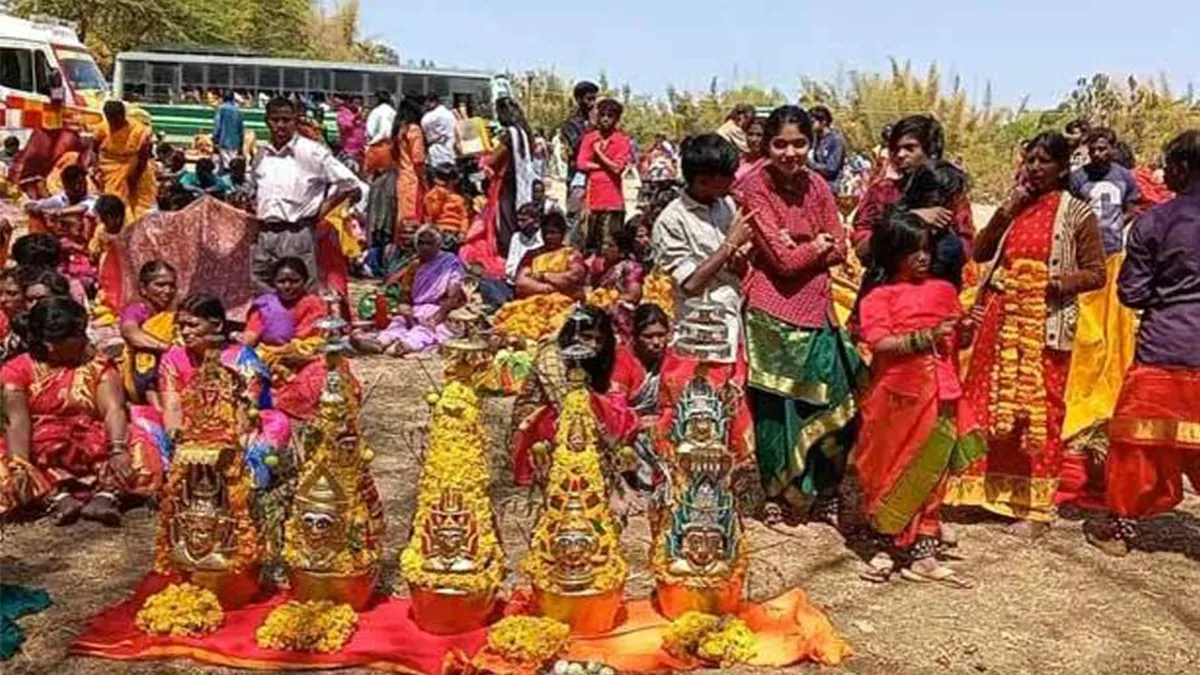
x=181, y=610
x=1018, y=391
x=314, y=626
x=725, y=641
x=528, y=639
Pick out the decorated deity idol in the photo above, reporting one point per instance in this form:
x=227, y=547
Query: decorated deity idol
x=574, y=559
x=206, y=532
x=453, y=563
x=699, y=559
x=334, y=534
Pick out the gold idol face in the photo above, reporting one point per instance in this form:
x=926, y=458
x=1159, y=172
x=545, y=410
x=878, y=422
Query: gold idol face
x=450, y=536
x=324, y=533
x=703, y=548
x=202, y=530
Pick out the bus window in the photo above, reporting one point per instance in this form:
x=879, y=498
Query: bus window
x=192, y=75
x=41, y=70
x=16, y=69
x=319, y=80
x=245, y=77
x=382, y=82
x=220, y=77
x=293, y=79
x=162, y=82
x=268, y=78
x=350, y=81
x=439, y=85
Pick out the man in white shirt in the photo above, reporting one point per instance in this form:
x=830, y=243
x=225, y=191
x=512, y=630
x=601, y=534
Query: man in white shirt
x=379, y=134
x=297, y=183
x=441, y=132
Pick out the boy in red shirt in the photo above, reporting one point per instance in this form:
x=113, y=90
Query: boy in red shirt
x=446, y=208
x=604, y=153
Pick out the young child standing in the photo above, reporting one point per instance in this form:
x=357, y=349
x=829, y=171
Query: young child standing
x=916, y=427
x=603, y=155
x=445, y=208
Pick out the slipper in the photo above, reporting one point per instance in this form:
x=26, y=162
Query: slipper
x=879, y=570
x=944, y=576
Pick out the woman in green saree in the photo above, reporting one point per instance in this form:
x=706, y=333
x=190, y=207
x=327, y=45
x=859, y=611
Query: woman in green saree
x=803, y=367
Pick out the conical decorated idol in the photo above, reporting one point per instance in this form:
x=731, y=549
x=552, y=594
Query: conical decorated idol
x=699, y=558
x=334, y=534
x=574, y=560
x=453, y=563
x=205, y=530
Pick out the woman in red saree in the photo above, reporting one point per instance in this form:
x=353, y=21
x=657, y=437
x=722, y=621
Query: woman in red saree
x=67, y=426
x=282, y=327
x=1045, y=250
x=916, y=428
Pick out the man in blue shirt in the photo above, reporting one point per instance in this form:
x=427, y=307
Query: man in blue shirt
x=227, y=131
x=829, y=151
x=1108, y=187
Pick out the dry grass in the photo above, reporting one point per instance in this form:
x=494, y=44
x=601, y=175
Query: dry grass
x=1055, y=606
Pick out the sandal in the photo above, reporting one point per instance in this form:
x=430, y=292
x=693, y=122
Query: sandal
x=879, y=570
x=940, y=575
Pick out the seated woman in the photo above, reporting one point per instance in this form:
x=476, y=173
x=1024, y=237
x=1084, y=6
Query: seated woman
x=148, y=328
x=202, y=323
x=67, y=429
x=549, y=283
x=636, y=376
x=615, y=278
x=12, y=305
x=282, y=327
x=535, y=412
x=435, y=289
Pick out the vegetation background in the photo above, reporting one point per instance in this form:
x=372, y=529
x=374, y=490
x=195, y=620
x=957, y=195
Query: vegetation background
x=982, y=136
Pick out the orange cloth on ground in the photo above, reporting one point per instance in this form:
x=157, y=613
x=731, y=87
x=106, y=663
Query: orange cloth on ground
x=788, y=628
x=410, y=175
x=447, y=210
x=119, y=152
x=1154, y=441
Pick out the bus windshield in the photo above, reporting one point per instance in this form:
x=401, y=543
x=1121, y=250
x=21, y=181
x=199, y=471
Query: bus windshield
x=80, y=71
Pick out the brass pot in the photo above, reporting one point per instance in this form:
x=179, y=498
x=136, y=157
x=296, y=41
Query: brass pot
x=673, y=600
x=587, y=613
x=351, y=588
x=233, y=589
x=447, y=611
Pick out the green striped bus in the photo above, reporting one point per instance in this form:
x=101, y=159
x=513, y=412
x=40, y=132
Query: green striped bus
x=181, y=89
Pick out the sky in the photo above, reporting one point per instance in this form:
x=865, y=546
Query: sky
x=1024, y=48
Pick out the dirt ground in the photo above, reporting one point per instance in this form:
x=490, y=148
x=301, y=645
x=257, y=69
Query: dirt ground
x=1054, y=606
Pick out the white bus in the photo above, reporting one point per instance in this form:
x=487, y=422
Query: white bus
x=181, y=78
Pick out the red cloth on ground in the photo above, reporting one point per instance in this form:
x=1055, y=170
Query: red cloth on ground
x=386, y=639
x=1154, y=441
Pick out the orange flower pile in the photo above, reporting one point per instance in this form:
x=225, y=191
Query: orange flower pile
x=604, y=298
x=659, y=289
x=533, y=318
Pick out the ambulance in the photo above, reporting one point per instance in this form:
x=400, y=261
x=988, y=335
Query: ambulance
x=47, y=77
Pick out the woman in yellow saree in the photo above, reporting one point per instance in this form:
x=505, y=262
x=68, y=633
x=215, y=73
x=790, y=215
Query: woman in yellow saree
x=549, y=282
x=122, y=159
x=148, y=328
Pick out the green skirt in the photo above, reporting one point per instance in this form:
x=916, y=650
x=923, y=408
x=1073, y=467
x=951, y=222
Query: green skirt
x=801, y=393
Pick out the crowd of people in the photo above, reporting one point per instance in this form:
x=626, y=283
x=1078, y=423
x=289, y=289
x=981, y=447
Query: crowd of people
x=958, y=372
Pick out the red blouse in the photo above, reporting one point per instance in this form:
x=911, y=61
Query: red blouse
x=787, y=278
